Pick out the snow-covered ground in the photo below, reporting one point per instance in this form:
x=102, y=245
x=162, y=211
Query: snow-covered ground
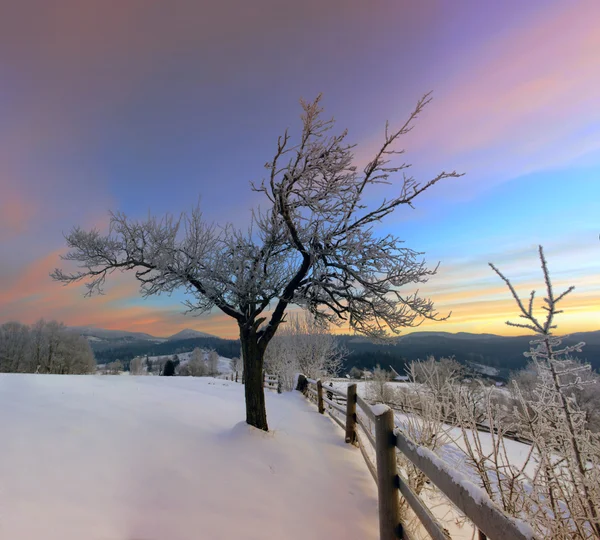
x=167, y=458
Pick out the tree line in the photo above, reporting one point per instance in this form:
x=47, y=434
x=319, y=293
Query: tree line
x=44, y=347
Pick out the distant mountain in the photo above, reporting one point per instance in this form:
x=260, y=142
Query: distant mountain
x=188, y=333
x=101, y=334
x=447, y=335
x=590, y=338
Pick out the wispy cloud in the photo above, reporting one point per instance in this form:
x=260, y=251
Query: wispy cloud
x=524, y=100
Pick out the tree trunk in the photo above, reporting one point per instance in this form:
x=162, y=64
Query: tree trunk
x=256, y=413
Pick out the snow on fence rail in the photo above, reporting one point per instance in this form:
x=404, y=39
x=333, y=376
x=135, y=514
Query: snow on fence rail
x=469, y=498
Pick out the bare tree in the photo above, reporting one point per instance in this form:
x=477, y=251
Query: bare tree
x=314, y=244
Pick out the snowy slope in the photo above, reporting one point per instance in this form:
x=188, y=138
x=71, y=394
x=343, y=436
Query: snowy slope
x=101, y=334
x=166, y=458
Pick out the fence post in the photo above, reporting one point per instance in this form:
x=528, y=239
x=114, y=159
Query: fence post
x=279, y=385
x=320, y=397
x=302, y=384
x=351, y=414
x=387, y=476
x=236, y=376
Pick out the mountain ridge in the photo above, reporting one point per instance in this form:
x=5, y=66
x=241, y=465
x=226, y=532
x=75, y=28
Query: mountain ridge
x=94, y=333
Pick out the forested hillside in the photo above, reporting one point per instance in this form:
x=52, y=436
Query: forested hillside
x=503, y=353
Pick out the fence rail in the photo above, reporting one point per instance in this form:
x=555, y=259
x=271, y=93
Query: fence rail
x=270, y=382
x=491, y=522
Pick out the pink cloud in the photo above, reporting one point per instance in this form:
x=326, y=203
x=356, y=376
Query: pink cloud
x=525, y=100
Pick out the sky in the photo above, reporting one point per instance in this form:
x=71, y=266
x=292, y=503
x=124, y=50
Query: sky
x=144, y=106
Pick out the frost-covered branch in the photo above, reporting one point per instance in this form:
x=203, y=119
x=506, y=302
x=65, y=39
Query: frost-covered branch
x=569, y=456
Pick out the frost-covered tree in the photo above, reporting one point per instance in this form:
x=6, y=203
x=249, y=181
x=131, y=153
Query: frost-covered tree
x=46, y=347
x=355, y=373
x=114, y=368
x=566, y=490
x=196, y=366
x=136, y=366
x=313, y=243
x=438, y=377
x=378, y=388
x=236, y=364
x=303, y=345
x=213, y=363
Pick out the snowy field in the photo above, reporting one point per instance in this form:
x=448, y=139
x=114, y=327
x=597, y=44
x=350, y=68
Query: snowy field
x=167, y=458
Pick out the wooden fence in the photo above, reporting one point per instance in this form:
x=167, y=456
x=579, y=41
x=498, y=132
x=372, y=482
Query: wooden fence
x=386, y=440
x=270, y=382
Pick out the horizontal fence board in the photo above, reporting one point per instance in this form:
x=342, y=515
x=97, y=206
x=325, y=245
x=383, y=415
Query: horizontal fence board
x=467, y=497
x=327, y=388
x=370, y=464
x=365, y=407
x=333, y=404
x=341, y=424
x=311, y=381
x=435, y=530
x=366, y=430
x=312, y=391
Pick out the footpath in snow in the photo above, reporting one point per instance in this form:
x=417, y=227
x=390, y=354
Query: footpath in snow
x=168, y=458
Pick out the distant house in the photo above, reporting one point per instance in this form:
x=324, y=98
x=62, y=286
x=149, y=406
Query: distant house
x=398, y=377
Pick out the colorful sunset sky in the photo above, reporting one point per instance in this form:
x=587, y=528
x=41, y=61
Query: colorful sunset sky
x=144, y=106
